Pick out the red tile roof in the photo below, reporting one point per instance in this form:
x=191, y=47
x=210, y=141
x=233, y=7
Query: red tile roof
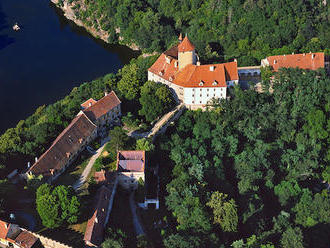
x=66, y=144
x=193, y=76
x=312, y=61
x=186, y=45
x=100, y=176
x=96, y=224
x=164, y=70
x=102, y=106
x=88, y=103
x=26, y=239
x=231, y=71
x=131, y=161
x=4, y=228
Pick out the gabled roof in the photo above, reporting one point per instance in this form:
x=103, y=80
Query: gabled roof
x=26, y=239
x=164, y=70
x=311, y=61
x=96, y=224
x=66, y=144
x=133, y=161
x=186, y=45
x=231, y=71
x=88, y=103
x=4, y=228
x=102, y=106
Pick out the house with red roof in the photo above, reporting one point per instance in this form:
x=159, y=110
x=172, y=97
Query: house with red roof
x=104, y=112
x=192, y=83
x=90, y=122
x=11, y=235
x=130, y=168
x=307, y=61
x=66, y=147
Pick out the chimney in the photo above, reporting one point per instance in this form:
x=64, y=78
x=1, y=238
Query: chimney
x=212, y=68
x=304, y=54
x=6, y=225
x=103, y=209
x=36, y=159
x=313, y=56
x=235, y=60
x=96, y=220
x=105, y=93
x=275, y=61
x=198, y=63
x=292, y=53
x=176, y=64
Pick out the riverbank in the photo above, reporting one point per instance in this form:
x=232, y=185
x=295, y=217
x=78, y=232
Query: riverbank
x=68, y=12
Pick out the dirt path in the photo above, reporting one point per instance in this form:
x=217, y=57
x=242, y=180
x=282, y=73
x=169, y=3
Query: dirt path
x=89, y=166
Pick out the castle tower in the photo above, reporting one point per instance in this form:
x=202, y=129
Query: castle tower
x=186, y=53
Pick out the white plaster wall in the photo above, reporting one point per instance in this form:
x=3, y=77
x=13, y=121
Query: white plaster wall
x=200, y=95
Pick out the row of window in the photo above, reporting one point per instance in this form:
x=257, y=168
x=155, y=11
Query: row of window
x=200, y=89
x=207, y=95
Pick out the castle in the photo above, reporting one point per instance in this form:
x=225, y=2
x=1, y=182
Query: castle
x=193, y=84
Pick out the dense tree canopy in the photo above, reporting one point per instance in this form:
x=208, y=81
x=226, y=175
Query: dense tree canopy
x=267, y=154
x=57, y=205
x=242, y=29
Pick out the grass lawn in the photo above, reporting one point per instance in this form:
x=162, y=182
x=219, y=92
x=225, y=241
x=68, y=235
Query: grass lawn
x=72, y=174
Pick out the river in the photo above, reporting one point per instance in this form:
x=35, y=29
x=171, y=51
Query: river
x=49, y=56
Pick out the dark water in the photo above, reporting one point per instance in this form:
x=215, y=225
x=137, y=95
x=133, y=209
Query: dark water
x=48, y=57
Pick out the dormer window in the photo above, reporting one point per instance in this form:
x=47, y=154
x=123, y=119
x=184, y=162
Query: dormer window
x=215, y=83
x=161, y=73
x=171, y=79
x=313, y=56
x=201, y=83
x=212, y=67
x=275, y=61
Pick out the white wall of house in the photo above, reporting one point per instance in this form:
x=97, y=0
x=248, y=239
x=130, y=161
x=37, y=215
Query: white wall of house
x=130, y=179
x=201, y=96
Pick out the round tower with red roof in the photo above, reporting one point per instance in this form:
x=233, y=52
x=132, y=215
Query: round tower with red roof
x=186, y=53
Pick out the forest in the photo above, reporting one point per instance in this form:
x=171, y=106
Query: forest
x=253, y=171
x=248, y=30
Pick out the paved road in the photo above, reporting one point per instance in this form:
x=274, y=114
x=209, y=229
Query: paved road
x=76, y=186
x=136, y=222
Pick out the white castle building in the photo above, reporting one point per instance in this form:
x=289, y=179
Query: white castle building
x=194, y=84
